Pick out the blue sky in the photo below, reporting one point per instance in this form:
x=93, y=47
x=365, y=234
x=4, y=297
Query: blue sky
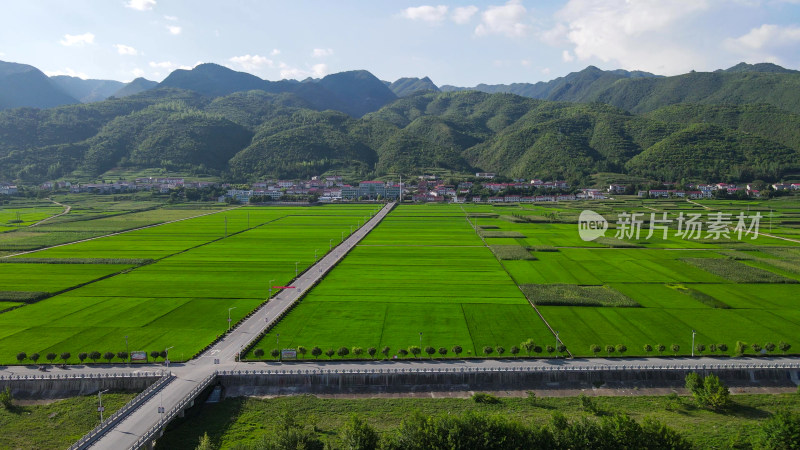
x=454, y=43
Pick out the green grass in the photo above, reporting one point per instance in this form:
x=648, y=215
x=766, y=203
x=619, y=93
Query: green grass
x=55, y=425
x=249, y=419
x=574, y=295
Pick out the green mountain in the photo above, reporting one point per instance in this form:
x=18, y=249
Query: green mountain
x=403, y=87
x=134, y=87
x=87, y=90
x=24, y=85
x=353, y=123
x=576, y=87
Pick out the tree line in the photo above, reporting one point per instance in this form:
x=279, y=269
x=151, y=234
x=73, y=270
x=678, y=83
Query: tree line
x=415, y=351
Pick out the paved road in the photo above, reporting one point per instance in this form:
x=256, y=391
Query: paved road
x=226, y=350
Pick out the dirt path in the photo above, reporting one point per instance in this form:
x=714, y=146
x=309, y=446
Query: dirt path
x=67, y=209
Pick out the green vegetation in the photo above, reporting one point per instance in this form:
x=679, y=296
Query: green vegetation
x=255, y=420
x=203, y=266
x=737, y=272
x=512, y=252
x=54, y=424
x=296, y=133
x=573, y=295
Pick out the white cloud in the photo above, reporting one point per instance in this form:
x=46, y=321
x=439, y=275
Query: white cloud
x=567, y=56
x=319, y=70
x=322, y=52
x=462, y=15
x=274, y=52
x=167, y=65
x=526, y=62
x=171, y=18
x=426, y=13
x=67, y=71
x=766, y=36
x=252, y=62
x=126, y=50
x=505, y=20
x=77, y=39
x=141, y=5
x=546, y=71
x=644, y=35
x=174, y=29
x=316, y=71
x=137, y=72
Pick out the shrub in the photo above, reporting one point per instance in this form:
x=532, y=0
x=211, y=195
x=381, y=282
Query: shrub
x=708, y=392
x=675, y=348
x=487, y=350
x=330, y=352
x=372, y=351
x=21, y=356
x=741, y=348
x=780, y=431
x=357, y=434
x=402, y=352
x=489, y=399
x=6, y=398
x=594, y=348
x=722, y=347
x=275, y=353
x=315, y=352
x=588, y=405
x=258, y=353
x=500, y=350
x=784, y=347
x=51, y=356
x=457, y=349
x=647, y=348
x=385, y=351
x=302, y=351
x=443, y=351
x=34, y=357
x=414, y=350
x=358, y=351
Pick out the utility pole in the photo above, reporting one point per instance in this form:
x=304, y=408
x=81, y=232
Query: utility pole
x=100, y=405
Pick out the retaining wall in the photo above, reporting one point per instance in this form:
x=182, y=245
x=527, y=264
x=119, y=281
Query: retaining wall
x=52, y=388
x=259, y=383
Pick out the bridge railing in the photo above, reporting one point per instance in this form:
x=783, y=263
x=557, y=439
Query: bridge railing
x=80, y=376
x=174, y=411
x=112, y=420
x=581, y=368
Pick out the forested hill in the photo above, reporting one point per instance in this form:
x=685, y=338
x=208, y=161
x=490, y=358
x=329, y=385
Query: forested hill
x=639, y=92
x=248, y=135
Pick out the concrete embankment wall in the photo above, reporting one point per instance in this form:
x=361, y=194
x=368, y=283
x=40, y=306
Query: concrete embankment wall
x=259, y=384
x=73, y=386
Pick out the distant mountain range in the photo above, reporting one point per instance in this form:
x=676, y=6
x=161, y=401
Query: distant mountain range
x=736, y=124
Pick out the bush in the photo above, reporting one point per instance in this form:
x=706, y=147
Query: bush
x=588, y=405
x=430, y=351
x=780, y=431
x=489, y=399
x=741, y=348
x=356, y=434
x=315, y=352
x=258, y=353
x=784, y=347
x=21, y=356
x=6, y=398
x=443, y=351
x=708, y=392
x=275, y=353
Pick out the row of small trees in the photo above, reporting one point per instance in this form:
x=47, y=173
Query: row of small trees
x=741, y=348
x=83, y=356
x=528, y=345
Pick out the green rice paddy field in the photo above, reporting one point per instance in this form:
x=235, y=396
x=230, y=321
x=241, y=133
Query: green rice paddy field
x=426, y=276
x=181, y=298
x=424, y=269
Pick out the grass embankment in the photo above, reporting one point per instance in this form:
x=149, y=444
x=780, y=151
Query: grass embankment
x=55, y=425
x=248, y=419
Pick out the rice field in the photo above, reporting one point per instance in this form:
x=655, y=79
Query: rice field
x=202, y=267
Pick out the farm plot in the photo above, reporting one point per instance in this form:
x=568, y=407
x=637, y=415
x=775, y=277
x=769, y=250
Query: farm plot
x=422, y=277
x=180, y=301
